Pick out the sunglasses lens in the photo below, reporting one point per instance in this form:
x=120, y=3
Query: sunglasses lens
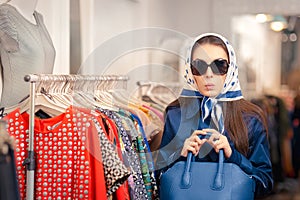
x=198, y=67
x=219, y=66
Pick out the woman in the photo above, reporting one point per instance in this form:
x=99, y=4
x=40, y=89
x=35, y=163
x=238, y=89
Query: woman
x=214, y=105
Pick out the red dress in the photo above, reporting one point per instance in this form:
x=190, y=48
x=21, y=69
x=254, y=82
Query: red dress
x=68, y=156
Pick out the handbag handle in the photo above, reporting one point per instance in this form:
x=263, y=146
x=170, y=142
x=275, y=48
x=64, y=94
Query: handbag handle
x=218, y=183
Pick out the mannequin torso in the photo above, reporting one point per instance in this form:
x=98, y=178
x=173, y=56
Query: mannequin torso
x=25, y=48
x=26, y=8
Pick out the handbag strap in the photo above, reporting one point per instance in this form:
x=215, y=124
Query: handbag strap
x=218, y=183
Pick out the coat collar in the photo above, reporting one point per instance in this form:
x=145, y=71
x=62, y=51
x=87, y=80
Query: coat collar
x=190, y=106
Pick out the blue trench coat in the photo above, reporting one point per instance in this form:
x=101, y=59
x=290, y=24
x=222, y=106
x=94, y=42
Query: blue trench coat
x=183, y=117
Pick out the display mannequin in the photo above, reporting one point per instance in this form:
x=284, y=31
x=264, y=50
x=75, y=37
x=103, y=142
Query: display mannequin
x=26, y=8
x=25, y=48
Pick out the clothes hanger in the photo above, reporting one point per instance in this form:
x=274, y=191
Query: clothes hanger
x=42, y=101
x=84, y=95
x=160, y=94
x=145, y=97
x=80, y=95
x=59, y=93
x=24, y=106
x=45, y=101
x=103, y=96
x=66, y=92
x=49, y=106
x=120, y=97
x=123, y=97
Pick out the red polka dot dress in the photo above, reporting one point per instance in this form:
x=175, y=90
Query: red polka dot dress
x=68, y=156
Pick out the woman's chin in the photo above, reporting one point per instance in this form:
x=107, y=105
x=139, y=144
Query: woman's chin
x=210, y=93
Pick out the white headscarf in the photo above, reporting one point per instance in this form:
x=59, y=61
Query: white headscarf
x=231, y=90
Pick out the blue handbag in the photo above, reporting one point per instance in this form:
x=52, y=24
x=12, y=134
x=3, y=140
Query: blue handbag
x=206, y=180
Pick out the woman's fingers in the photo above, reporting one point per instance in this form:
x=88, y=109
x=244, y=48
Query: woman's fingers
x=202, y=134
x=212, y=136
x=193, y=143
x=218, y=144
x=223, y=143
x=198, y=140
x=210, y=130
x=192, y=149
x=199, y=132
x=189, y=145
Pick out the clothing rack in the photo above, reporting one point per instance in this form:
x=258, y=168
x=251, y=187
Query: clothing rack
x=168, y=91
x=33, y=79
x=171, y=86
x=166, y=84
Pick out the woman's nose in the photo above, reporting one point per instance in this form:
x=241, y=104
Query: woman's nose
x=209, y=72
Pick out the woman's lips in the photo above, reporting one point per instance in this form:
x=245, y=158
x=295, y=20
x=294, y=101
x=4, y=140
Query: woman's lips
x=209, y=86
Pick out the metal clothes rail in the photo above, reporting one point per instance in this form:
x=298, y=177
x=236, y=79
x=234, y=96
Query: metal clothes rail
x=49, y=78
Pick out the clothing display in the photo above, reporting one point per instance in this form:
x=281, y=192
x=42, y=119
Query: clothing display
x=156, y=96
x=61, y=154
x=87, y=152
x=24, y=48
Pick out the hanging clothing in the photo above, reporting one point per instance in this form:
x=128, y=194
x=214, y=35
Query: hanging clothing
x=111, y=132
x=155, y=138
x=130, y=134
x=104, y=148
x=25, y=48
x=149, y=128
x=115, y=181
x=146, y=160
x=8, y=186
x=137, y=185
x=74, y=158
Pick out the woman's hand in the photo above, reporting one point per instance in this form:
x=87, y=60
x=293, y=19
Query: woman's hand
x=218, y=141
x=193, y=143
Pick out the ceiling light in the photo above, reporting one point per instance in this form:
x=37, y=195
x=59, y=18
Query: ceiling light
x=293, y=37
x=285, y=38
x=262, y=18
x=277, y=26
x=278, y=23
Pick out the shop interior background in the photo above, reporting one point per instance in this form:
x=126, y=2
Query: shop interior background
x=268, y=59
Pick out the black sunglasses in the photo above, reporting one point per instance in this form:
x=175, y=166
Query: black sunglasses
x=218, y=67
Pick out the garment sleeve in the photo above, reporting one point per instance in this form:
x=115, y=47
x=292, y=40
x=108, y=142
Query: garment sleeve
x=170, y=147
x=258, y=164
x=115, y=171
x=8, y=32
